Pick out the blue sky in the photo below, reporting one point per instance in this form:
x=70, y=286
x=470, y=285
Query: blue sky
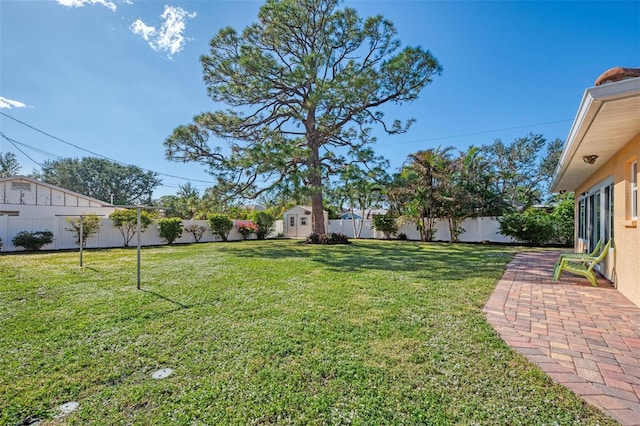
x=116, y=77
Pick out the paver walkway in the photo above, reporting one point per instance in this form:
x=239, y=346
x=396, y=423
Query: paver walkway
x=586, y=338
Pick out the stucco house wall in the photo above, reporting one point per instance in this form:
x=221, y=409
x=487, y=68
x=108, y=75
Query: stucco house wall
x=623, y=268
x=596, y=164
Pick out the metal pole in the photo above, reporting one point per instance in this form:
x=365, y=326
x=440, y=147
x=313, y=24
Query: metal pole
x=81, y=232
x=138, y=231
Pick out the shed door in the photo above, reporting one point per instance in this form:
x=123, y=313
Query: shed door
x=292, y=226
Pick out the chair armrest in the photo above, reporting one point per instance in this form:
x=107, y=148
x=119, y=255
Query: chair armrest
x=580, y=259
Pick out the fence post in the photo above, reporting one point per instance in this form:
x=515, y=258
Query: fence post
x=4, y=230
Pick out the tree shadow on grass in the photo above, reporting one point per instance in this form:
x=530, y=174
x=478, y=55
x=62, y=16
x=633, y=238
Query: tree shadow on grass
x=175, y=302
x=430, y=260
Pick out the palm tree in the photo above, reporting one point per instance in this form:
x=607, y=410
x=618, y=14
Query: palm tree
x=423, y=174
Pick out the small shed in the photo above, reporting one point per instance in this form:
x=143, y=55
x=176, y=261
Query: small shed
x=297, y=222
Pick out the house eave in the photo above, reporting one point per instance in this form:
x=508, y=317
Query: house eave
x=607, y=119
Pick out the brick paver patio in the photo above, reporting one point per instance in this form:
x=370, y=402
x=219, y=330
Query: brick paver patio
x=586, y=338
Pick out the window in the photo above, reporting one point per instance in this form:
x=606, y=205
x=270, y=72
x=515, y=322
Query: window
x=634, y=190
x=20, y=186
x=303, y=221
x=608, y=212
x=9, y=213
x=292, y=221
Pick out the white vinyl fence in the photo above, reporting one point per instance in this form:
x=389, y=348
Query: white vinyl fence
x=476, y=230
x=108, y=236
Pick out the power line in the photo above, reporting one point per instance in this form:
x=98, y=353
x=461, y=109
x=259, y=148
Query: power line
x=12, y=142
x=484, y=132
x=33, y=148
x=96, y=154
x=213, y=183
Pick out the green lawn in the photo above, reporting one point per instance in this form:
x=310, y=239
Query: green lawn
x=267, y=332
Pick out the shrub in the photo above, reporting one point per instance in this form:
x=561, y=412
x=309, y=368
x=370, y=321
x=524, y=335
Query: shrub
x=385, y=224
x=563, y=220
x=533, y=226
x=264, y=221
x=327, y=238
x=127, y=222
x=402, y=236
x=196, y=230
x=170, y=228
x=33, y=240
x=221, y=225
x=90, y=227
x=246, y=229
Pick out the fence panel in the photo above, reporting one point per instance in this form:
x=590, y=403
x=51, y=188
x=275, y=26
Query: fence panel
x=476, y=230
x=107, y=236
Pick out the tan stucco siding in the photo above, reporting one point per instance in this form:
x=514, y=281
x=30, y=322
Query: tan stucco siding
x=625, y=266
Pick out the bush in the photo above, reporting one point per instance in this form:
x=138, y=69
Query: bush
x=33, y=240
x=563, y=220
x=196, y=230
x=385, y=224
x=170, y=228
x=327, y=238
x=127, y=222
x=264, y=221
x=533, y=226
x=246, y=229
x=402, y=236
x=221, y=225
x=90, y=226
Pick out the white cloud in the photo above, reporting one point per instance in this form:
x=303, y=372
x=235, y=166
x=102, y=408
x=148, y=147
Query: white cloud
x=9, y=104
x=169, y=37
x=79, y=3
x=147, y=32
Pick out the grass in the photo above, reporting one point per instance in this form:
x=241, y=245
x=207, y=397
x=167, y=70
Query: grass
x=267, y=332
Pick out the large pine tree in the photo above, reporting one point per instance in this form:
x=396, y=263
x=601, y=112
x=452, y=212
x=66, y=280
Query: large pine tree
x=303, y=86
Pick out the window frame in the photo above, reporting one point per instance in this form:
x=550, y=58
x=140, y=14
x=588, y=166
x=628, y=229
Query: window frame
x=633, y=188
x=595, y=213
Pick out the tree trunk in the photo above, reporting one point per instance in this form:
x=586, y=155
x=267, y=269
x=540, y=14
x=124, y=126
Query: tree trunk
x=314, y=141
x=454, y=229
x=317, y=213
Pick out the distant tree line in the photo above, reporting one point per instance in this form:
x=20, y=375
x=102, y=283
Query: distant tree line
x=434, y=183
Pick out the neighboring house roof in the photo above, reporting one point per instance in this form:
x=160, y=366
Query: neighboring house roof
x=26, y=179
x=359, y=214
x=350, y=216
x=617, y=74
x=254, y=207
x=608, y=118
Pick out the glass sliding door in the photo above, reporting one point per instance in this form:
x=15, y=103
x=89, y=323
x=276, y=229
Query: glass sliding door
x=595, y=215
